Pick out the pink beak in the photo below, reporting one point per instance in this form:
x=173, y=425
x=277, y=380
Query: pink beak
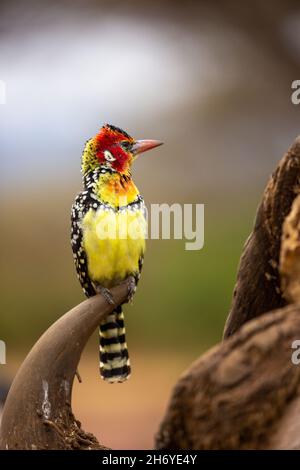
x=141, y=146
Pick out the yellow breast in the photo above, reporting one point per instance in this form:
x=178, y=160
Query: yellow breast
x=113, y=242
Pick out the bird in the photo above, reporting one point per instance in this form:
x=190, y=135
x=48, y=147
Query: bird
x=108, y=231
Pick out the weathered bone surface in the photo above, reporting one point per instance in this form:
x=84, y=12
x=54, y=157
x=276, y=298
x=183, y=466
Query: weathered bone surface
x=290, y=254
x=258, y=287
x=37, y=412
x=235, y=396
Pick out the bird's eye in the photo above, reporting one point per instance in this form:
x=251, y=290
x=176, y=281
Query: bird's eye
x=126, y=145
x=108, y=156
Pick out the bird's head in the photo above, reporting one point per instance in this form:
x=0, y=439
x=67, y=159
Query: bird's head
x=115, y=149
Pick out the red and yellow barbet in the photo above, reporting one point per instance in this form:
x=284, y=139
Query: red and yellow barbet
x=108, y=234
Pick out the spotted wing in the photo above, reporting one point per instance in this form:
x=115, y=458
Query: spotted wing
x=79, y=209
x=137, y=275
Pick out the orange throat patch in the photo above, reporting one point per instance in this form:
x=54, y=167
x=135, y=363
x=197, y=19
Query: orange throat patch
x=116, y=189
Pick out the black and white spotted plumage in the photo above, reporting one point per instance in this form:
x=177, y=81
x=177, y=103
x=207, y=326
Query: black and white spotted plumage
x=80, y=207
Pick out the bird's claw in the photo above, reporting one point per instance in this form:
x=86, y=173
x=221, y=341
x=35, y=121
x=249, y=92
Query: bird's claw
x=131, y=286
x=106, y=294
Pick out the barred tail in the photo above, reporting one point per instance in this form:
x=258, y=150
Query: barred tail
x=114, y=360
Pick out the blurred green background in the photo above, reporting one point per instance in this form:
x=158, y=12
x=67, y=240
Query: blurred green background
x=214, y=83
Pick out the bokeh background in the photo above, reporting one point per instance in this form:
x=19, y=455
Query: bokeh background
x=213, y=81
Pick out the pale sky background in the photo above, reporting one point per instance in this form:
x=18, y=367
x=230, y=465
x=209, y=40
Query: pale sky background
x=200, y=85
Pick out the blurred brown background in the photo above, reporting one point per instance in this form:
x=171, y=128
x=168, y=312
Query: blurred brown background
x=213, y=81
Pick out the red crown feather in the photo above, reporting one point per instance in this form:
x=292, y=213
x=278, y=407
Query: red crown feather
x=109, y=138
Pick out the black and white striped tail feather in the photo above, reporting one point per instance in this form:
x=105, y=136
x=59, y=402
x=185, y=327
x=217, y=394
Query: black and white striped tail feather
x=114, y=359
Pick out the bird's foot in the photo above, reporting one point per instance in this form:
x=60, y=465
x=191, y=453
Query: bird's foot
x=131, y=285
x=106, y=294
